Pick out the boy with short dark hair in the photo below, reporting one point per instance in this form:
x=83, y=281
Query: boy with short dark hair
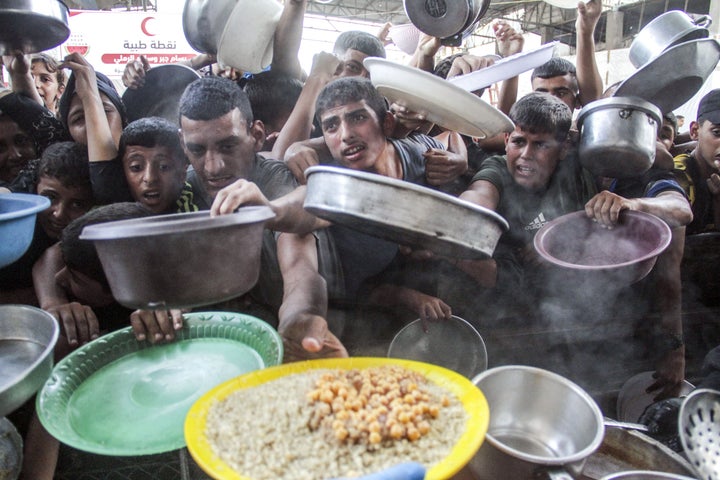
x=699, y=171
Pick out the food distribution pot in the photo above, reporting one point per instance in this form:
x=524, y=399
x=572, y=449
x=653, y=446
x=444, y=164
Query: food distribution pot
x=670, y=28
x=449, y=20
x=541, y=425
x=30, y=26
x=203, y=22
x=618, y=135
x=180, y=260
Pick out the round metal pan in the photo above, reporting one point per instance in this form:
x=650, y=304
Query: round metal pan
x=159, y=96
x=440, y=18
x=31, y=26
x=403, y=212
x=682, y=70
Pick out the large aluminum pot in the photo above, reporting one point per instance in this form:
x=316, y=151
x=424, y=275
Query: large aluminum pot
x=30, y=26
x=664, y=31
x=203, y=23
x=645, y=475
x=403, y=212
x=449, y=20
x=180, y=260
x=618, y=135
x=541, y=425
x=27, y=341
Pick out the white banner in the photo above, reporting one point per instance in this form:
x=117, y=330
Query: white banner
x=109, y=40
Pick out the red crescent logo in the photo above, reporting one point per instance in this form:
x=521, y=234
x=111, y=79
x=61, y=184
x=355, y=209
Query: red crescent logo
x=143, y=26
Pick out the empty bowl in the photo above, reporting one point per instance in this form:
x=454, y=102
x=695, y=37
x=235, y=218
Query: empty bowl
x=625, y=253
x=453, y=344
x=17, y=223
x=405, y=37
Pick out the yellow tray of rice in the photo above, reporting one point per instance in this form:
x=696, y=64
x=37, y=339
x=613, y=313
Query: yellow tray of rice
x=337, y=418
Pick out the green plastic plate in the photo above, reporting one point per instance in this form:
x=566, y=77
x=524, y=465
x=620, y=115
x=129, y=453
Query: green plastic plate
x=118, y=396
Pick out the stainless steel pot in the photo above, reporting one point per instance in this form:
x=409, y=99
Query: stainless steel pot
x=618, y=135
x=403, y=212
x=203, y=23
x=541, y=425
x=645, y=475
x=449, y=20
x=30, y=26
x=27, y=341
x=180, y=260
x=664, y=31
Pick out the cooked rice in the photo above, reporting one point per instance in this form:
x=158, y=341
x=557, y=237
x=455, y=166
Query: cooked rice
x=263, y=433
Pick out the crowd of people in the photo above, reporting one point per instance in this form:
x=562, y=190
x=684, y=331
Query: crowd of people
x=246, y=138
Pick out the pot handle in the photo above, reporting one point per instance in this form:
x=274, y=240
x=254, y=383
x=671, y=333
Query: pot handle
x=553, y=474
x=703, y=21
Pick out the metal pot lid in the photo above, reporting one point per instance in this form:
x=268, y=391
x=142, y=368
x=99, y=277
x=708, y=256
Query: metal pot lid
x=439, y=18
x=160, y=95
x=633, y=103
x=675, y=76
x=31, y=26
x=177, y=223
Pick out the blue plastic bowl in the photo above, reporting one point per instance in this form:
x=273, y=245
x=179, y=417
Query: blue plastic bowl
x=17, y=223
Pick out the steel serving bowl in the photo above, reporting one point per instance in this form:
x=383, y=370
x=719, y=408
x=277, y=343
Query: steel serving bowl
x=645, y=475
x=540, y=423
x=402, y=212
x=203, y=22
x=18, y=212
x=30, y=26
x=180, y=260
x=27, y=341
x=664, y=31
x=618, y=135
x=623, y=254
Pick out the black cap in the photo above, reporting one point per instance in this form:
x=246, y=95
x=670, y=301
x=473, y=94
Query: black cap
x=709, y=108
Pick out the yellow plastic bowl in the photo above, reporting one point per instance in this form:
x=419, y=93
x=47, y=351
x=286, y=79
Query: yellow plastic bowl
x=470, y=396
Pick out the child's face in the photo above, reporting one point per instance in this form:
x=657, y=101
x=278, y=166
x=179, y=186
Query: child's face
x=16, y=149
x=532, y=158
x=47, y=84
x=155, y=176
x=708, y=147
x=83, y=288
x=66, y=204
x=76, y=119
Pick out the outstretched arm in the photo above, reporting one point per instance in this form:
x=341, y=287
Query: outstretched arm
x=304, y=309
x=286, y=42
x=588, y=74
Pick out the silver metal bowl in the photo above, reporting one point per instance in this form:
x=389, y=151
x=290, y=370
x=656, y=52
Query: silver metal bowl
x=27, y=340
x=645, y=475
x=180, y=260
x=540, y=423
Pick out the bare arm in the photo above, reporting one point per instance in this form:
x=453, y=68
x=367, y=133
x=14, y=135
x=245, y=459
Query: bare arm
x=286, y=42
x=509, y=42
x=671, y=207
x=302, y=314
x=483, y=193
x=670, y=369
x=300, y=122
x=301, y=155
x=21, y=77
x=424, y=56
x=101, y=145
x=44, y=270
x=588, y=74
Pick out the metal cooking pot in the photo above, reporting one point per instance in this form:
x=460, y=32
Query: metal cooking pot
x=541, y=425
x=626, y=450
x=180, y=260
x=618, y=135
x=203, y=23
x=27, y=341
x=645, y=475
x=30, y=26
x=449, y=20
x=420, y=216
x=666, y=30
